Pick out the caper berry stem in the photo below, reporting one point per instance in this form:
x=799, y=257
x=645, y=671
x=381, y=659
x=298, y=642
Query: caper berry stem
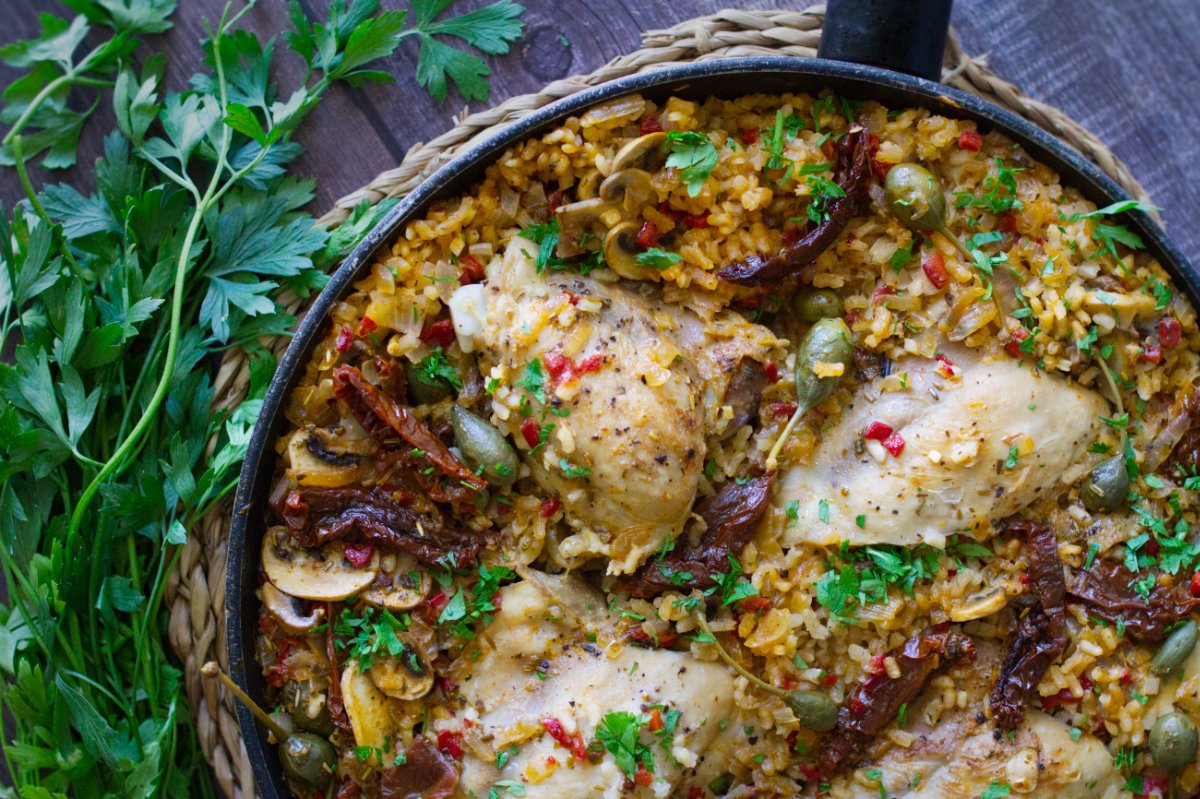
x=211, y=670
x=773, y=455
x=738, y=667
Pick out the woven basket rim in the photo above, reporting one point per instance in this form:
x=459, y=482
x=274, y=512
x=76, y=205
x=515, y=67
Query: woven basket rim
x=196, y=590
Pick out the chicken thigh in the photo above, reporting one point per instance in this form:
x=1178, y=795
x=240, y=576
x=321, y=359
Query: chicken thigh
x=609, y=394
x=982, y=439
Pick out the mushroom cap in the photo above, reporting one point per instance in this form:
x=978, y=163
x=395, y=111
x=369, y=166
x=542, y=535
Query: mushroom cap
x=322, y=574
x=287, y=610
x=620, y=253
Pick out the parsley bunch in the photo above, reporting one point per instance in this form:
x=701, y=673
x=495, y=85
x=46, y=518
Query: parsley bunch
x=115, y=307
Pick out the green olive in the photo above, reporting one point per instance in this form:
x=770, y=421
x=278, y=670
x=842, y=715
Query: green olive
x=915, y=196
x=308, y=759
x=814, y=710
x=829, y=341
x=1107, y=486
x=1175, y=649
x=1173, y=742
x=484, y=446
x=423, y=389
x=297, y=696
x=813, y=304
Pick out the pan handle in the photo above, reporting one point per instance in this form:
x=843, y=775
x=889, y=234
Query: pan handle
x=902, y=35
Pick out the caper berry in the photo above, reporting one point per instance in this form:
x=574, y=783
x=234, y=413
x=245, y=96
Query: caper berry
x=424, y=389
x=308, y=759
x=285, y=722
x=1175, y=649
x=812, y=304
x=827, y=341
x=1106, y=486
x=915, y=196
x=814, y=710
x=297, y=696
x=1173, y=742
x=483, y=446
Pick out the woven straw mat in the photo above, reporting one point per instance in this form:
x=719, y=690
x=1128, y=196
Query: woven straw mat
x=196, y=591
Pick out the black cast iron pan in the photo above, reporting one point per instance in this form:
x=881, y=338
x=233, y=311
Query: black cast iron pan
x=884, y=50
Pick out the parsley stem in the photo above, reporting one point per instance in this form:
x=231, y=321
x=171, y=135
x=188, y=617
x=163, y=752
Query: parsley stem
x=39, y=209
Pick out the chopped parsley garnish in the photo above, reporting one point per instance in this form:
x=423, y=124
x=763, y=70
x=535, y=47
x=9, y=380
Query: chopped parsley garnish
x=436, y=369
x=571, y=471
x=792, y=513
x=370, y=634
x=997, y=790
x=1108, y=236
x=463, y=612
x=658, y=259
x=619, y=734
x=733, y=584
x=1001, y=192
x=534, y=380
x=1014, y=455
x=822, y=192
x=693, y=155
x=545, y=236
x=865, y=574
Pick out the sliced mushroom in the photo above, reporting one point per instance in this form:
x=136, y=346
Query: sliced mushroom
x=630, y=188
x=288, y=612
x=366, y=707
x=322, y=574
x=577, y=220
x=620, y=253
x=324, y=458
x=647, y=152
x=980, y=604
x=586, y=188
x=401, y=585
x=406, y=676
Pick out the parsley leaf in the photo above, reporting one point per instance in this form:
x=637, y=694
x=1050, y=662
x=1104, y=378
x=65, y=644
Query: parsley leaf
x=693, y=155
x=618, y=732
x=436, y=369
x=996, y=790
x=658, y=259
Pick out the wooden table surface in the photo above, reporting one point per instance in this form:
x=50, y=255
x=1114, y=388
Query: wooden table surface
x=1130, y=72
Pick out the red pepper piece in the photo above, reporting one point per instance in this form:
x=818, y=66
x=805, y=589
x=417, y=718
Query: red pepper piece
x=650, y=124
x=591, y=363
x=970, y=140
x=367, y=326
x=642, y=778
x=934, y=268
x=655, y=721
x=782, y=408
x=648, y=236
x=880, y=293
x=472, y=269
x=344, y=339
x=1008, y=223
x=877, y=668
x=749, y=136
x=358, y=556
x=1055, y=701
x=771, y=371
x=450, y=743
x=755, y=604
x=1170, y=332
x=573, y=743
x=530, y=432
x=696, y=221
x=550, y=506
x=1194, y=586
x=440, y=332
x=1013, y=345
x=878, y=431
x=894, y=444
x=1150, y=354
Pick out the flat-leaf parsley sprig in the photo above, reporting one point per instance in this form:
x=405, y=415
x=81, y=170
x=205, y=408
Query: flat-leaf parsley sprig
x=115, y=306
